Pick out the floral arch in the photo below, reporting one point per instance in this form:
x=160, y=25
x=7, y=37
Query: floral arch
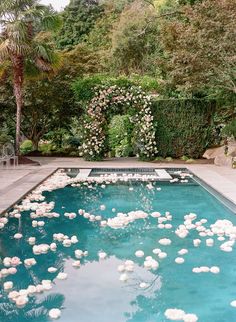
x=114, y=100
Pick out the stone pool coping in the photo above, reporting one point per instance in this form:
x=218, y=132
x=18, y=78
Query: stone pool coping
x=17, y=182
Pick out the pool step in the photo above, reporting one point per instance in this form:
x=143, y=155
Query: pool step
x=84, y=173
x=163, y=174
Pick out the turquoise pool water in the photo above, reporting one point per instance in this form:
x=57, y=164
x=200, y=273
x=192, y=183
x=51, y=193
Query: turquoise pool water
x=94, y=293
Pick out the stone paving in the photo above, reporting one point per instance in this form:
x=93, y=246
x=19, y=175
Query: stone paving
x=16, y=182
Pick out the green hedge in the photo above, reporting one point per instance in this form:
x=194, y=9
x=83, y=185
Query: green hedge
x=183, y=127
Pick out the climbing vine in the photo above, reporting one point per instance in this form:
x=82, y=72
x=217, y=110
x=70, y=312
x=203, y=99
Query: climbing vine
x=115, y=100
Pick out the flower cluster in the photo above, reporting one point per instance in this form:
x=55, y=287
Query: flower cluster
x=117, y=99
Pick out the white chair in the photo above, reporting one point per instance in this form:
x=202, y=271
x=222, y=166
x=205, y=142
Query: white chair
x=7, y=155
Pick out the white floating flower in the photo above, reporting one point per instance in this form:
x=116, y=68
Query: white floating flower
x=205, y=269
x=31, y=240
x=156, y=251
x=121, y=268
x=233, y=303
x=215, y=270
x=143, y=285
x=124, y=277
x=13, y=295
x=196, y=242
x=54, y=314
x=102, y=207
x=190, y=318
x=67, y=243
x=209, y=242
x=179, y=260
x=30, y=262
x=18, y=236
x=78, y=253
x=53, y=247
x=102, y=255
x=21, y=301
x=62, y=276
x=52, y=269
x=41, y=223
x=8, y=285
x=103, y=223
x=174, y=314
x=139, y=253
x=182, y=251
x=155, y=214
x=31, y=289
x=76, y=264
x=165, y=241
x=129, y=268
x=162, y=255
x=12, y=270
x=74, y=240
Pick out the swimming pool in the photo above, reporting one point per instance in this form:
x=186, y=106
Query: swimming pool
x=144, y=247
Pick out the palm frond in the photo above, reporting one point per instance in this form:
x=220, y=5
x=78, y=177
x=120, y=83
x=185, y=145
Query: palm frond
x=52, y=300
x=51, y=22
x=17, y=31
x=36, y=315
x=4, y=67
x=34, y=12
x=4, y=50
x=19, y=49
x=45, y=56
x=8, y=6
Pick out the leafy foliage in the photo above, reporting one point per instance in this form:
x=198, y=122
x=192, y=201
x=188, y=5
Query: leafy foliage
x=120, y=135
x=84, y=87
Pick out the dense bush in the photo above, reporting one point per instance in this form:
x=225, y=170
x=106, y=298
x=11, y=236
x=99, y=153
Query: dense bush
x=26, y=147
x=183, y=127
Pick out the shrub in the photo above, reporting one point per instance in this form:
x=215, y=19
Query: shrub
x=183, y=127
x=26, y=147
x=46, y=148
x=230, y=129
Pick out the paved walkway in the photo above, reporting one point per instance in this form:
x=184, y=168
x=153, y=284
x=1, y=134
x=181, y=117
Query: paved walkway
x=16, y=182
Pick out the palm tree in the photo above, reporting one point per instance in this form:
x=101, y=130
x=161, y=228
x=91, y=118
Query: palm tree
x=22, y=46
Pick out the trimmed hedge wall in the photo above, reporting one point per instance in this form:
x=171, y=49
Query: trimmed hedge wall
x=183, y=127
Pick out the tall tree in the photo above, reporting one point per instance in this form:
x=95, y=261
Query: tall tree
x=79, y=18
x=134, y=39
x=200, y=47
x=22, y=45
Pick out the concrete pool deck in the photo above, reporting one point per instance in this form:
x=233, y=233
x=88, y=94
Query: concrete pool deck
x=16, y=182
